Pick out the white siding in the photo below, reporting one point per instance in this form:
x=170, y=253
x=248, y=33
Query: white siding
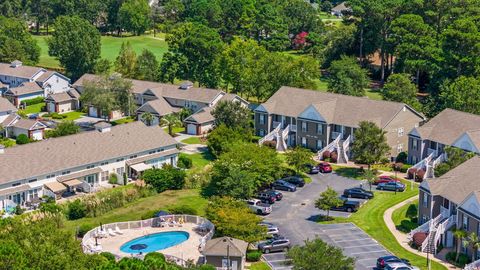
x=57, y=84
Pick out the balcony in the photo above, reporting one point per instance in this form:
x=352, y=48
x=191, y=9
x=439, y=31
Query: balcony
x=444, y=212
x=293, y=128
x=430, y=151
x=336, y=134
x=275, y=124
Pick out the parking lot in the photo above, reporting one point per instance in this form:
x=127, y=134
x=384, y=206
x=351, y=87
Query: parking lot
x=296, y=218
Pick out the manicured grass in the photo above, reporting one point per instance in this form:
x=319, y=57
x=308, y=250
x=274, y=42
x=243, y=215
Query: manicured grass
x=73, y=115
x=349, y=172
x=322, y=85
x=110, y=47
x=145, y=206
x=325, y=15
x=200, y=160
x=402, y=222
x=193, y=140
x=259, y=266
x=125, y=120
x=175, y=130
x=370, y=219
x=35, y=108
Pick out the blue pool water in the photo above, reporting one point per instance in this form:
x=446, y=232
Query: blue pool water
x=154, y=242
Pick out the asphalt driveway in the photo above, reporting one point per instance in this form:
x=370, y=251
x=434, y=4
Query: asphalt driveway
x=295, y=217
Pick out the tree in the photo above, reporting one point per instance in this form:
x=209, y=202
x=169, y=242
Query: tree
x=455, y=157
x=76, y=44
x=11, y=8
x=459, y=234
x=462, y=94
x=126, y=60
x=234, y=219
x=474, y=242
x=232, y=114
x=76, y=210
x=400, y=88
x=242, y=171
x=172, y=67
x=370, y=176
x=146, y=67
x=103, y=66
x=165, y=178
x=370, y=145
x=222, y=138
x=298, y=157
x=318, y=255
x=63, y=129
x=22, y=139
x=171, y=120
x=328, y=199
x=147, y=117
x=16, y=43
x=347, y=77
x=134, y=16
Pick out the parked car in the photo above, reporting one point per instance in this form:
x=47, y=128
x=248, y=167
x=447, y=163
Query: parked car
x=347, y=206
x=272, y=231
x=295, y=180
x=278, y=195
x=384, y=179
x=399, y=266
x=324, y=167
x=258, y=207
x=383, y=261
x=284, y=185
x=267, y=197
x=312, y=169
x=393, y=186
x=357, y=193
x=274, y=245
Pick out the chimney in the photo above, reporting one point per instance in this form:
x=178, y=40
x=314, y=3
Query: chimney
x=103, y=127
x=186, y=85
x=2, y=149
x=15, y=64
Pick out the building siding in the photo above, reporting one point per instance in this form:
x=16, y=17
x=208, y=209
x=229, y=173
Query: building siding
x=406, y=120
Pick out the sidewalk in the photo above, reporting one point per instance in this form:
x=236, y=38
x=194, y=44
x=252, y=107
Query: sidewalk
x=402, y=238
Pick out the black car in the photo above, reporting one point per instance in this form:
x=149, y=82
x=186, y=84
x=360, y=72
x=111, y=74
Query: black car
x=266, y=197
x=312, y=169
x=278, y=195
x=347, y=206
x=357, y=193
x=383, y=261
x=296, y=180
x=284, y=185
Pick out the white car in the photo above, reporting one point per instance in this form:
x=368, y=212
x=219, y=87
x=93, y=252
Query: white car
x=399, y=266
x=271, y=229
x=258, y=207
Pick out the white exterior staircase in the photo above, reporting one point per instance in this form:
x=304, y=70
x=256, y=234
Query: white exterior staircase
x=435, y=228
x=278, y=135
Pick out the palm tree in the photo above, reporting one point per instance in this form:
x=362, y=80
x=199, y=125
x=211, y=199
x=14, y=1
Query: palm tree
x=147, y=117
x=459, y=234
x=171, y=121
x=474, y=242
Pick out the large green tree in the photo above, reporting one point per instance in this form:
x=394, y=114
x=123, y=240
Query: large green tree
x=76, y=44
x=318, y=255
x=16, y=43
x=370, y=145
x=63, y=129
x=125, y=63
x=134, y=16
x=462, y=94
x=400, y=88
x=328, y=199
x=222, y=138
x=165, y=178
x=347, y=77
x=146, y=67
x=232, y=114
x=298, y=157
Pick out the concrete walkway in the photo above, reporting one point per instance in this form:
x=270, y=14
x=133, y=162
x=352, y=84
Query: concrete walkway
x=402, y=237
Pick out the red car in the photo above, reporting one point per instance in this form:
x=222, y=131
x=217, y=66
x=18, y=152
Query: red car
x=324, y=167
x=384, y=179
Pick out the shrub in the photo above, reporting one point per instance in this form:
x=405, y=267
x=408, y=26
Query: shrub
x=401, y=157
x=149, y=214
x=404, y=168
x=254, y=255
x=333, y=157
x=326, y=155
x=184, y=162
x=166, y=178
x=83, y=229
x=33, y=101
x=18, y=210
x=113, y=179
x=76, y=210
x=207, y=267
x=463, y=260
x=183, y=209
x=22, y=139
x=271, y=144
x=110, y=257
x=197, y=179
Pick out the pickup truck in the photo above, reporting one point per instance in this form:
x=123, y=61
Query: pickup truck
x=258, y=207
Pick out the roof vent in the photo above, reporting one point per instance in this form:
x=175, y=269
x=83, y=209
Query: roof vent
x=103, y=126
x=15, y=64
x=2, y=149
x=186, y=85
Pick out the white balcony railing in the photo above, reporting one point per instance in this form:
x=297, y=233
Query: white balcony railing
x=432, y=151
x=275, y=123
x=336, y=134
x=444, y=212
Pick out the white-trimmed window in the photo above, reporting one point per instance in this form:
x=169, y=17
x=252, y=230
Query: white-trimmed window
x=400, y=132
x=400, y=147
x=304, y=142
x=319, y=129
x=261, y=119
x=261, y=132
x=465, y=222
x=304, y=126
x=414, y=144
x=319, y=144
x=425, y=200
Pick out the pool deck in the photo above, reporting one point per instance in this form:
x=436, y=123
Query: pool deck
x=187, y=250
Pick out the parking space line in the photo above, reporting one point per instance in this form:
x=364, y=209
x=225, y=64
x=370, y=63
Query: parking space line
x=353, y=234
x=364, y=259
x=362, y=246
x=363, y=252
x=349, y=240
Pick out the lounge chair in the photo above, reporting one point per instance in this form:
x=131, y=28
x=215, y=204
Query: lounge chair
x=101, y=233
x=117, y=230
x=110, y=232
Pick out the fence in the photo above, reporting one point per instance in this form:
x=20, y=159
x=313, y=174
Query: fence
x=138, y=224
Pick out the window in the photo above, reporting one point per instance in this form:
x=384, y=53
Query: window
x=16, y=184
x=400, y=132
x=433, y=145
x=261, y=132
x=414, y=144
x=151, y=152
x=65, y=172
x=304, y=126
x=319, y=144
x=104, y=163
x=104, y=176
x=51, y=176
x=32, y=194
x=465, y=222
x=262, y=119
x=120, y=171
x=90, y=166
x=134, y=156
x=425, y=199
x=319, y=129
x=304, y=141
x=120, y=159
x=32, y=180
x=400, y=147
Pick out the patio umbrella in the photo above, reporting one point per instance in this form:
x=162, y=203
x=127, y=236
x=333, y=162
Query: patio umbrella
x=138, y=246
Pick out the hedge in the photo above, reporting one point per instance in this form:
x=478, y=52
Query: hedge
x=33, y=101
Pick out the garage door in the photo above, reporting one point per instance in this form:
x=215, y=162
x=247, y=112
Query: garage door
x=37, y=135
x=51, y=107
x=92, y=111
x=192, y=129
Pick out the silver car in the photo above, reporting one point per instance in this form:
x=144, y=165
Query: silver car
x=399, y=266
x=275, y=245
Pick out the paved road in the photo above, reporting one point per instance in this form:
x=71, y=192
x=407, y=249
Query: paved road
x=295, y=217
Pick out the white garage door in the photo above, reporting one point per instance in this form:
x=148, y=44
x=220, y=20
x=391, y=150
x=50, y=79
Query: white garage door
x=37, y=135
x=192, y=129
x=51, y=107
x=92, y=111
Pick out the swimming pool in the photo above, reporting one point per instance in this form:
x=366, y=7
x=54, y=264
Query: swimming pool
x=154, y=242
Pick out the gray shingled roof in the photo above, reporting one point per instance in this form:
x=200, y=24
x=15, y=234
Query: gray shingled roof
x=218, y=247
x=160, y=106
x=458, y=183
x=6, y=105
x=202, y=116
x=335, y=108
x=20, y=71
x=26, y=88
x=26, y=124
x=29, y=160
x=447, y=126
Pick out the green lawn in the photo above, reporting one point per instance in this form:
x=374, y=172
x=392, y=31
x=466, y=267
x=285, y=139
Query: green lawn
x=138, y=209
x=175, y=130
x=110, y=47
x=199, y=160
x=349, y=172
x=125, y=120
x=73, y=115
x=35, y=108
x=322, y=85
x=370, y=219
x=259, y=266
x=193, y=140
x=402, y=222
